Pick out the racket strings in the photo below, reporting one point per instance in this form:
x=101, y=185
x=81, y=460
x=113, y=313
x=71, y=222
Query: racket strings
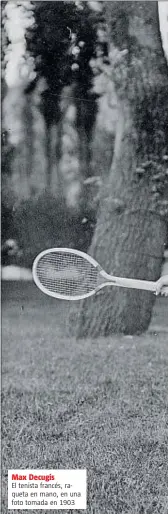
x=66, y=274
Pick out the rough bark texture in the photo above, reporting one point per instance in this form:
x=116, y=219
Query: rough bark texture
x=130, y=235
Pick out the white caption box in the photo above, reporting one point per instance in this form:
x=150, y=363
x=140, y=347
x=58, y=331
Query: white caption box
x=47, y=489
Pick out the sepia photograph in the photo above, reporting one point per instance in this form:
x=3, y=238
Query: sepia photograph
x=84, y=256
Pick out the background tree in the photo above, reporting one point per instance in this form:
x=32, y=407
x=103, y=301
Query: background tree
x=131, y=229
x=7, y=149
x=84, y=97
x=62, y=42
x=17, y=74
x=48, y=42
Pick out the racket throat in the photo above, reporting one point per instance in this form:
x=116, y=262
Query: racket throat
x=105, y=280
x=105, y=283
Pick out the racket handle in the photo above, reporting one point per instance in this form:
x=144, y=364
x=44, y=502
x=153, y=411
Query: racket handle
x=131, y=283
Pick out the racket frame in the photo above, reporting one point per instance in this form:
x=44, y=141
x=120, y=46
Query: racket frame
x=105, y=278
x=57, y=295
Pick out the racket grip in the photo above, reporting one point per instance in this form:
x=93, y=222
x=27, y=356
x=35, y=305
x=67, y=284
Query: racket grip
x=131, y=283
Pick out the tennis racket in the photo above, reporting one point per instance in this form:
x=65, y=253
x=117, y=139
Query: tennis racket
x=69, y=274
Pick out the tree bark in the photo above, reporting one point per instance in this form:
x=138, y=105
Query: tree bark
x=84, y=147
x=130, y=234
x=58, y=154
x=48, y=158
x=29, y=140
x=86, y=114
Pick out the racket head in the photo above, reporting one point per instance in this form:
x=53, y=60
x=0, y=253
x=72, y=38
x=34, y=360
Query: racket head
x=66, y=273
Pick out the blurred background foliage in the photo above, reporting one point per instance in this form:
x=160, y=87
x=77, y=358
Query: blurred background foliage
x=57, y=126
x=59, y=117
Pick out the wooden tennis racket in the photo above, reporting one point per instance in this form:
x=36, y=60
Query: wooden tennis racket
x=69, y=274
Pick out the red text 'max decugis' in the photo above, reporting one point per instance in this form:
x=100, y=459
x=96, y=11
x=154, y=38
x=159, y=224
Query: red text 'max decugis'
x=47, y=478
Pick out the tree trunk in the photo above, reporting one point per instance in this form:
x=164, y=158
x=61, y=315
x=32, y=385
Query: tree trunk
x=130, y=235
x=48, y=158
x=29, y=140
x=84, y=148
x=85, y=124
x=58, y=154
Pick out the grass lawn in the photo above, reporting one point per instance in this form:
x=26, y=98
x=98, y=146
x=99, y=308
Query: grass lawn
x=100, y=405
